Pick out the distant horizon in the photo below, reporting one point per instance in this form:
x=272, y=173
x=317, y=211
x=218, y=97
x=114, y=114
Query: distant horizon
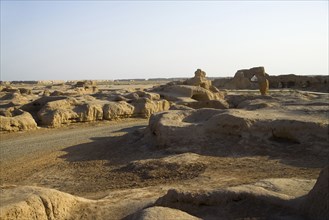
x=75, y=40
x=178, y=77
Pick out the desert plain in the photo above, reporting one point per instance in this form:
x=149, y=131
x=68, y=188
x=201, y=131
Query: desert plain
x=163, y=149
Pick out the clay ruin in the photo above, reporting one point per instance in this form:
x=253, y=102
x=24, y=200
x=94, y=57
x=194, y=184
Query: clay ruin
x=239, y=148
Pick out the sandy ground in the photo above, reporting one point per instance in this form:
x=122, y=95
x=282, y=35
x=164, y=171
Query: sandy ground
x=118, y=162
x=90, y=160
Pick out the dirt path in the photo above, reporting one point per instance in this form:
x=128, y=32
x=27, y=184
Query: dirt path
x=43, y=141
x=30, y=157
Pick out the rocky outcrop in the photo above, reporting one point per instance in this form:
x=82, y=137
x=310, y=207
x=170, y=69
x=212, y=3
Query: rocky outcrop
x=17, y=120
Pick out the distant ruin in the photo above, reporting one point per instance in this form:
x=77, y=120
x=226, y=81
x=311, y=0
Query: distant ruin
x=243, y=80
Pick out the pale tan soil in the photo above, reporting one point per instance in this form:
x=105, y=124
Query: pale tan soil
x=97, y=160
x=94, y=162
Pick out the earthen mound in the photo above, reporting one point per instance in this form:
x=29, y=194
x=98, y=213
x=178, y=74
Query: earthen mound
x=181, y=128
x=17, y=120
x=162, y=213
x=271, y=198
x=197, y=92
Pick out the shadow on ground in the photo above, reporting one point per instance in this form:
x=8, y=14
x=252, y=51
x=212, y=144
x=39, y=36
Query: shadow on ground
x=137, y=144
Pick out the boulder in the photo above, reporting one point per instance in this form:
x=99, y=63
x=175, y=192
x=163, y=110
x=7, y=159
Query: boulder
x=18, y=121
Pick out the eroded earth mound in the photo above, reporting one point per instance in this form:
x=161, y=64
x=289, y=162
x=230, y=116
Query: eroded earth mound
x=196, y=153
x=270, y=198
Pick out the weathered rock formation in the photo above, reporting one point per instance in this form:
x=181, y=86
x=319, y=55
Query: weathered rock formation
x=145, y=107
x=70, y=110
x=9, y=99
x=87, y=109
x=197, y=89
x=116, y=110
x=200, y=79
x=17, y=120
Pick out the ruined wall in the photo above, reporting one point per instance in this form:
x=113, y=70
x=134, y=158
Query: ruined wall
x=242, y=80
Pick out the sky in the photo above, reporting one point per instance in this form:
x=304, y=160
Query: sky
x=66, y=40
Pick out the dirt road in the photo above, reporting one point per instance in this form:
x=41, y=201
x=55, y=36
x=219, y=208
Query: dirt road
x=33, y=143
x=39, y=157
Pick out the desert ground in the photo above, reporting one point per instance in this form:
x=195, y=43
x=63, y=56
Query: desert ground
x=162, y=150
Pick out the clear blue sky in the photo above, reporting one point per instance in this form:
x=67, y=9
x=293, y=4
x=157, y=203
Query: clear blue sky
x=143, y=39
